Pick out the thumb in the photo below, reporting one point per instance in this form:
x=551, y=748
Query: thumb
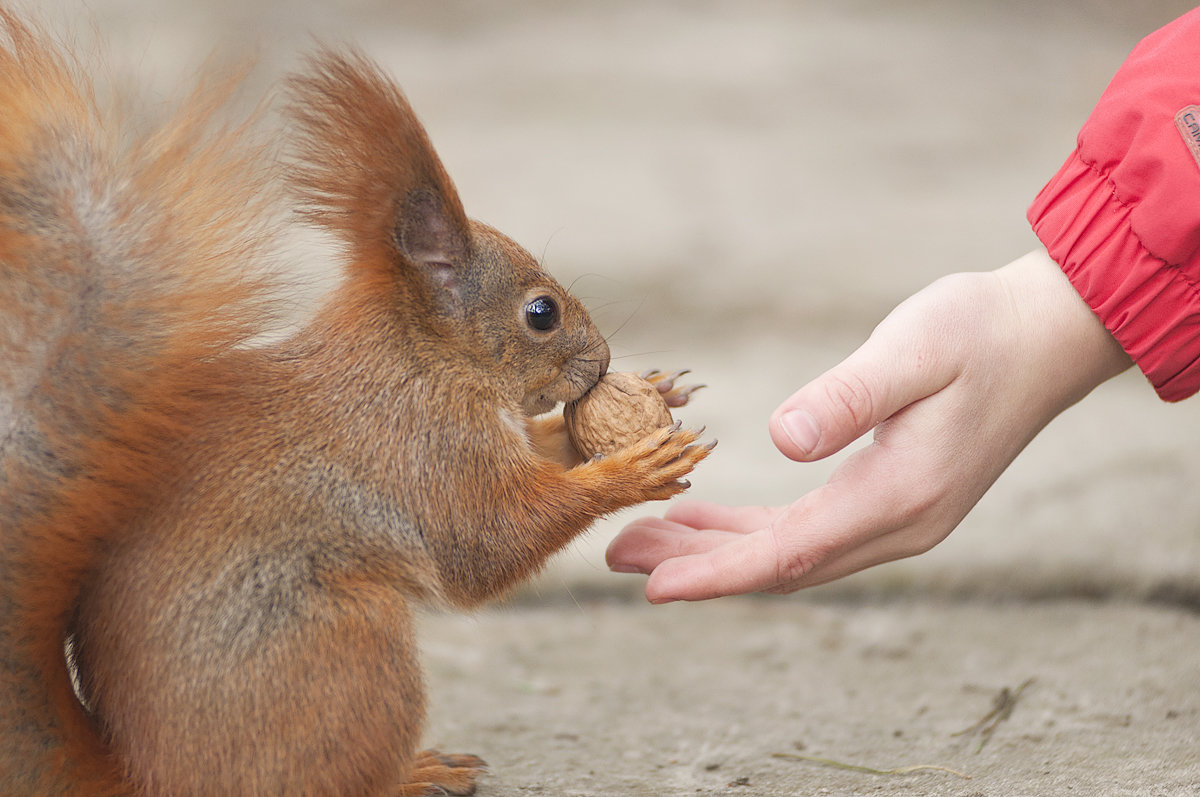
x=895, y=367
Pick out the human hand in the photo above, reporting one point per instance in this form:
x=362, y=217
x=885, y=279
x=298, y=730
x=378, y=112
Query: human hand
x=955, y=382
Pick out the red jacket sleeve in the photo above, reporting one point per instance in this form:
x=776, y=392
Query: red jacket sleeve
x=1122, y=215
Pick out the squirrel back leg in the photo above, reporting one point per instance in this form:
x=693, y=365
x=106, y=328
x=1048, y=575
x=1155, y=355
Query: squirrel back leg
x=307, y=684
x=436, y=773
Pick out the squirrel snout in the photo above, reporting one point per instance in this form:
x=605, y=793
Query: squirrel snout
x=602, y=360
x=585, y=370
x=593, y=363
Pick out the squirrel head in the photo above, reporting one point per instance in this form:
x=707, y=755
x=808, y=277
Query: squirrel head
x=367, y=171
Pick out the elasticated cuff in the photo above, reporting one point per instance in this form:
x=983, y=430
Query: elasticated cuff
x=1149, y=305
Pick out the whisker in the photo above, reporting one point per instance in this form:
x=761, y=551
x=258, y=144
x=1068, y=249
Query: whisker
x=628, y=318
x=546, y=247
x=615, y=302
x=640, y=354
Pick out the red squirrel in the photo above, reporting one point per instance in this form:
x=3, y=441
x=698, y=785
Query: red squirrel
x=211, y=547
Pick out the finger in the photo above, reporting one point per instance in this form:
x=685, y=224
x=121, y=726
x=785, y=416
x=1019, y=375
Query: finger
x=895, y=367
x=882, y=549
x=708, y=515
x=644, y=544
x=745, y=563
x=813, y=540
x=793, y=552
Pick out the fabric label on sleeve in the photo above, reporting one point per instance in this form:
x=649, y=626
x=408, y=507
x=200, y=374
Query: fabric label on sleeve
x=1187, y=120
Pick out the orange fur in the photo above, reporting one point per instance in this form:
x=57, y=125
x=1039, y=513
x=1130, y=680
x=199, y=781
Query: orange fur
x=232, y=538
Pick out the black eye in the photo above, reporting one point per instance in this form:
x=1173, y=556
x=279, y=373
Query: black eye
x=542, y=313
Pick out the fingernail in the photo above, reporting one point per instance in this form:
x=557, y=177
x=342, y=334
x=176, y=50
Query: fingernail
x=801, y=428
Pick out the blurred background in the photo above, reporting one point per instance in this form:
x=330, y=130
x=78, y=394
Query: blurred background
x=745, y=189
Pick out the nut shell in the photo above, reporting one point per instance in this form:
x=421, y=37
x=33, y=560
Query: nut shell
x=620, y=409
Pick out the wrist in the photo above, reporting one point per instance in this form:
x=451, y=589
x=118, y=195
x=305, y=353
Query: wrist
x=1060, y=333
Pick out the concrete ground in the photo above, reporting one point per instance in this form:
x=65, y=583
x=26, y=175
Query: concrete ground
x=746, y=189
x=617, y=698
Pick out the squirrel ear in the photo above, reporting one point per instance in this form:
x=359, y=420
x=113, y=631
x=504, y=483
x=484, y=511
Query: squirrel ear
x=366, y=170
x=427, y=233
x=429, y=238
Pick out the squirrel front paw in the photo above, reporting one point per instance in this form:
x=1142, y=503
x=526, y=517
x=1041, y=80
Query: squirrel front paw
x=653, y=468
x=623, y=430
x=665, y=459
x=672, y=394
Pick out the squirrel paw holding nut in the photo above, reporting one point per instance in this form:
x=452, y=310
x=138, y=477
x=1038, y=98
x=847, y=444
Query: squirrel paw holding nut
x=626, y=418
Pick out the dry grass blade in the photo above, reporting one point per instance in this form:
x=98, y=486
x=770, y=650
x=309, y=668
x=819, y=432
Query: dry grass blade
x=907, y=770
x=1002, y=708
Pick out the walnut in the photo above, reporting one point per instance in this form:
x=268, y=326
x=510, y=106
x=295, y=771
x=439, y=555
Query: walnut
x=620, y=409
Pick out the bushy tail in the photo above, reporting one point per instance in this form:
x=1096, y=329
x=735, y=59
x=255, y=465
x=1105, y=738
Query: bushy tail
x=125, y=274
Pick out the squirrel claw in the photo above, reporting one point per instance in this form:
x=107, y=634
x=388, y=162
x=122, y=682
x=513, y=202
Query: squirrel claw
x=679, y=397
x=674, y=395
x=663, y=381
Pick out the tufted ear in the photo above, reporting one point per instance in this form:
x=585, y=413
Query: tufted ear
x=367, y=171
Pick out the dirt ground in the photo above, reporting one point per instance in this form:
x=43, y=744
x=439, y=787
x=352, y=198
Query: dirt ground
x=745, y=189
x=613, y=698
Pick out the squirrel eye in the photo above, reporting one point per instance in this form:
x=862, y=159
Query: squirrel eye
x=542, y=313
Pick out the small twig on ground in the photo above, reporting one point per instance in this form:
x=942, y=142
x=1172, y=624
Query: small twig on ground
x=1002, y=708
x=829, y=762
